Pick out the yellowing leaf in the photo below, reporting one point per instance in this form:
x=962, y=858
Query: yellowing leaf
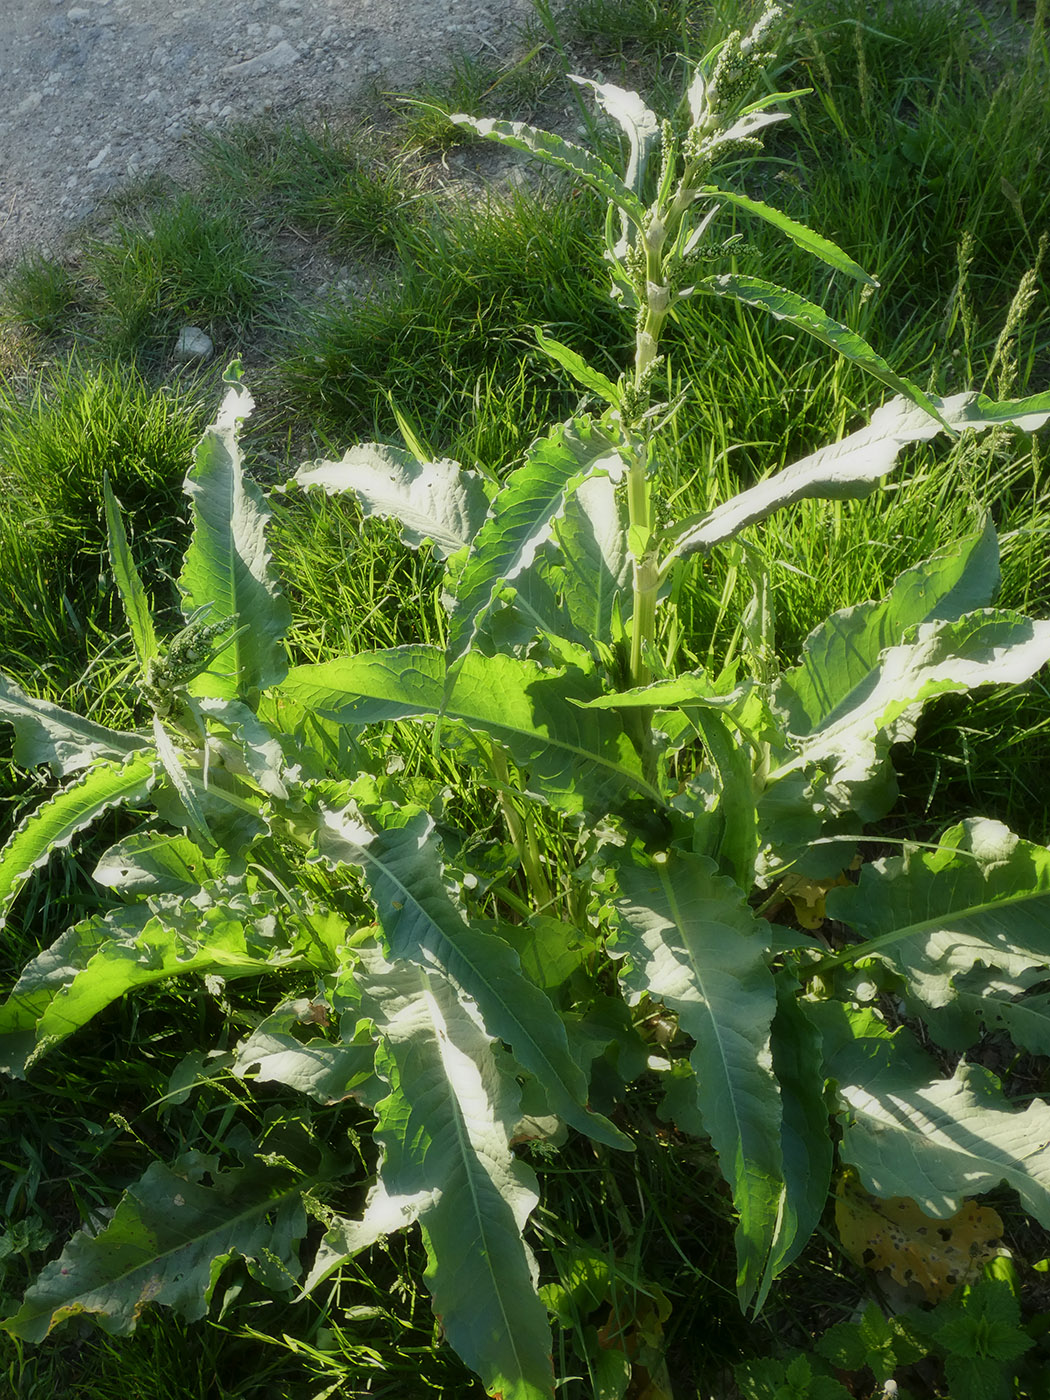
x=895, y=1235
x=807, y=897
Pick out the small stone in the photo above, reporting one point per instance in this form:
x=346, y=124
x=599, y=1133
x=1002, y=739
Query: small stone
x=193, y=344
x=94, y=164
x=283, y=56
x=78, y=13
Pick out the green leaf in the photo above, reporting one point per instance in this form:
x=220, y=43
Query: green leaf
x=805, y=238
x=851, y=740
x=563, y=154
x=695, y=946
x=851, y=468
x=805, y=1137
x=733, y=763
x=45, y=733
x=444, y=1130
x=571, y=760
x=383, y=1215
x=168, y=1242
x=129, y=584
x=227, y=568
x=595, y=562
x=584, y=374
x=53, y=824
x=402, y=866
x=523, y=514
x=326, y=1071
x=982, y=897
x=151, y=862
x=943, y=1142
x=790, y=307
x=1026, y=1021
x=979, y=412
x=433, y=502
x=640, y=125
x=841, y=656
x=192, y=814
x=102, y=958
x=256, y=754
x=984, y=1325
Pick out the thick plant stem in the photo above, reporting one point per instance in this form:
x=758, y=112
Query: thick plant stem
x=645, y=568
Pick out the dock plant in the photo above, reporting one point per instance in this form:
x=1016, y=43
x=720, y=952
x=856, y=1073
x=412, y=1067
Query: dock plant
x=479, y=998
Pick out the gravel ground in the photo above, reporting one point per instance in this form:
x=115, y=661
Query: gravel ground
x=102, y=91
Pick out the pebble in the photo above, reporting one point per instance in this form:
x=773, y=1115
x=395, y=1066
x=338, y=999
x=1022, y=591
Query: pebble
x=193, y=344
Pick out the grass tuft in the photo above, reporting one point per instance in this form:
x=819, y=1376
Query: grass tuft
x=451, y=337
x=341, y=185
x=177, y=262
x=39, y=294
x=57, y=442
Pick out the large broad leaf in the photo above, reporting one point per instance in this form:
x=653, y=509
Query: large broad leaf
x=585, y=375
x=168, y=1242
x=790, y=307
x=102, y=958
x=595, y=561
x=402, y=865
x=640, y=125
x=840, y=658
x=852, y=467
x=805, y=1138
x=942, y=1142
x=982, y=897
x=573, y=759
x=227, y=568
x=561, y=153
x=694, y=945
x=45, y=733
x=327, y=1071
x=383, y=1215
x=435, y=502
x=523, y=515
x=444, y=1129
x=255, y=753
x=55, y=822
x=151, y=862
x=988, y=999
x=851, y=740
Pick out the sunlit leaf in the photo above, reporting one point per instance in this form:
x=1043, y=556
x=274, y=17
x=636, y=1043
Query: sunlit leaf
x=227, y=568
x=432, y=502
x=168, y=1242
x=443, y=1131
x=695, y=946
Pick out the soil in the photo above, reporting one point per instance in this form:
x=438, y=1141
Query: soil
x=96, y=93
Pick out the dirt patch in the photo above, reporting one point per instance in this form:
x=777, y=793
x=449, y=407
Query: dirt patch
x=99, y=92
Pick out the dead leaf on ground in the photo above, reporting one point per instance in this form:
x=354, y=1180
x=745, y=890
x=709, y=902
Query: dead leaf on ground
x=897, y=1236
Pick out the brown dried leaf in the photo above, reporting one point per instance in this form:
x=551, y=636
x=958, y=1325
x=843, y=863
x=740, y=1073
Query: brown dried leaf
x=897, y=1236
